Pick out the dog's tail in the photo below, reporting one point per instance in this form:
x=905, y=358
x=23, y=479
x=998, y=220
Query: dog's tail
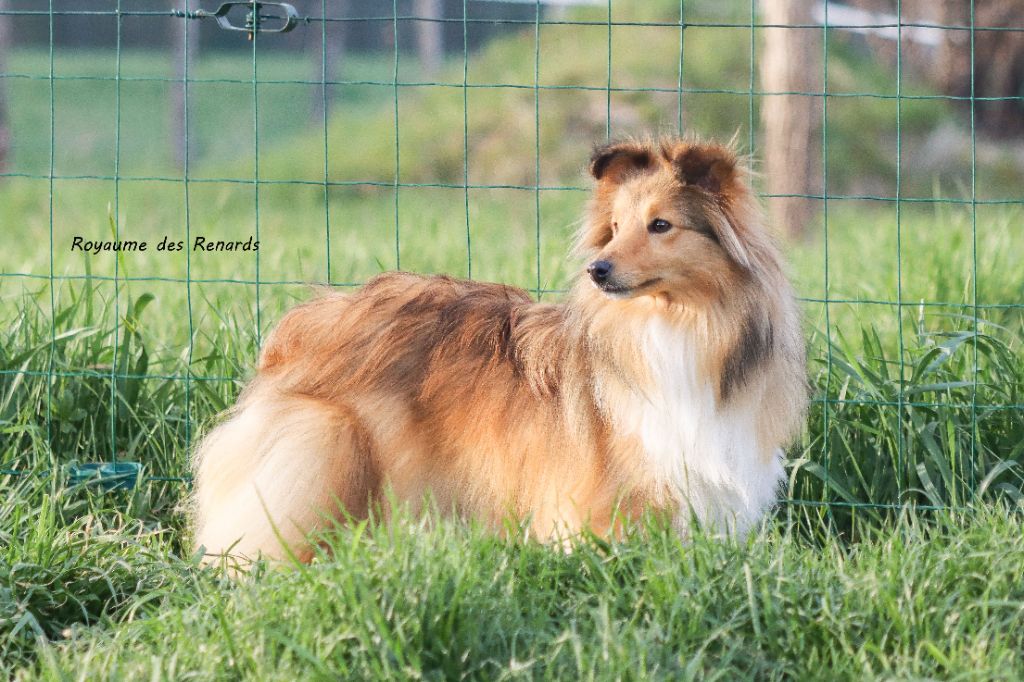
x=277, y=469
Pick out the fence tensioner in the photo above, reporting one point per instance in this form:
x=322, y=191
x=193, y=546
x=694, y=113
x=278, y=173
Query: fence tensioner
x=254, y=19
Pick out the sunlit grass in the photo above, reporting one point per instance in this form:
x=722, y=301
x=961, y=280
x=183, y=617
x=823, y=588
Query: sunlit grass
x=915, y=365
x=92, y=590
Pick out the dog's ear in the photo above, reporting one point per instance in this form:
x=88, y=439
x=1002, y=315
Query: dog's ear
x=612, y=162
x=710, y=167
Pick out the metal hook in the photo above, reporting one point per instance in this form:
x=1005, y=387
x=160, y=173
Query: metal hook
x=255, y=18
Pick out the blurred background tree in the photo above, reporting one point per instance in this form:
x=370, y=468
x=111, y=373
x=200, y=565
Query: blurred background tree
x=5, y=43
x=792, y=122
x=998, y=61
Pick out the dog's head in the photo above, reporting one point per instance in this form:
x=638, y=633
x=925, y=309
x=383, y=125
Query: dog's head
x=673, y=218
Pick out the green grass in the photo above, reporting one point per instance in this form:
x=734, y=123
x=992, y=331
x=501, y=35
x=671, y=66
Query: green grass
x=102, y=585
x=91, y=590
x=927, y=452
x=911, y=406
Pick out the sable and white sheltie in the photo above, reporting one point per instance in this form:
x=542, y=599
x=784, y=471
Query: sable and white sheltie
x=669, y=381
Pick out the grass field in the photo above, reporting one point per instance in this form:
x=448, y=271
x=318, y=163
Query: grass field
x=915, y=404
x=918, y=598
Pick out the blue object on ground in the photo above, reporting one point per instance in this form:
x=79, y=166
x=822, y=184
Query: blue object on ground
x=107, y=475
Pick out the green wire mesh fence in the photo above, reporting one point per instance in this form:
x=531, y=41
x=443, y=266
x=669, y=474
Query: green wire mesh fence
x=449, y=136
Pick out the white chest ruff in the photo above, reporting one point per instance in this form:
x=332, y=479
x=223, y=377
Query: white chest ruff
x=707, y=458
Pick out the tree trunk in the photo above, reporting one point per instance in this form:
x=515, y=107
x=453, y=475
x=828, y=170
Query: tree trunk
x=326, y=46
x=429, y=34
x=186, y=47
x=998, y=63
x=998, y=56
x=5, y=131
x=792, y=123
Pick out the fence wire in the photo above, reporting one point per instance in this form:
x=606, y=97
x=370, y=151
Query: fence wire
x=829, y=396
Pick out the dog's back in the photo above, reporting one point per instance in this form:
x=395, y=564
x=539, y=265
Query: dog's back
x=430, y=384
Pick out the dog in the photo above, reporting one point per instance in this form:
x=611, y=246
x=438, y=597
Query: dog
x=669, y=381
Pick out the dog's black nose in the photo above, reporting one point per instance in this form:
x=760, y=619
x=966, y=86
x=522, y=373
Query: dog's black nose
x=600, y=271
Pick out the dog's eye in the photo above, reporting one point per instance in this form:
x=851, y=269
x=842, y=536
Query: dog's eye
x=659, y=226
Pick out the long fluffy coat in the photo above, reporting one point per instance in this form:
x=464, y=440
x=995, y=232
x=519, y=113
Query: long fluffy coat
x=672, y=386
